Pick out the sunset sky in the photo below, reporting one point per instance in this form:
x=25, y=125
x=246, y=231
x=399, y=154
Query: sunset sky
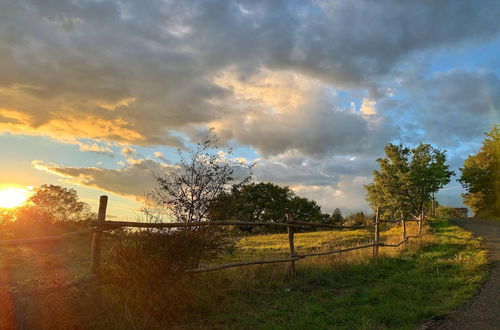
x=97, y=95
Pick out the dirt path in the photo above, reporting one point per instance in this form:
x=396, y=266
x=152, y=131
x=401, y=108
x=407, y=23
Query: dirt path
x=483, y=311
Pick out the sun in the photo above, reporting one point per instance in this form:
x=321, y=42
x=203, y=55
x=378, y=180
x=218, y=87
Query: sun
x=13, y=197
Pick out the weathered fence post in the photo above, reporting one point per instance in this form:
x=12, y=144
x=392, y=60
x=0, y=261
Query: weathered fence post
x=403, y=224
x=291, y=232
x=377, y=232
x=95, y=259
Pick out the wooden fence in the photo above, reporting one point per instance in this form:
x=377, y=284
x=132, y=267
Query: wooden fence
x=101, y=225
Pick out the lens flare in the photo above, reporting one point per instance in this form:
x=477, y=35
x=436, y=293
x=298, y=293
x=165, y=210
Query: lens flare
x=13, y=197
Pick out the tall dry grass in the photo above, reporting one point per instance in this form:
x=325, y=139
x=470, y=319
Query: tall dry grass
x=132, y=304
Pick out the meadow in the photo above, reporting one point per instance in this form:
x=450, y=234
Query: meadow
x=405, y=286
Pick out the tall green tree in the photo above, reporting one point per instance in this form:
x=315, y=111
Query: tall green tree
x=264, y=202
x=54, y=204
x=337, y=217
x=481, y=177
x=407, y=178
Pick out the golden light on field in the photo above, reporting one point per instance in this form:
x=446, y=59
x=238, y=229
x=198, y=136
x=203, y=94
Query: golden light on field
x=13, y=196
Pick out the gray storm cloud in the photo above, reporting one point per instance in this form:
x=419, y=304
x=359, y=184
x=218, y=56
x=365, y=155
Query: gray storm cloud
x=267, y=74
x=131, y=71
x=134, y=180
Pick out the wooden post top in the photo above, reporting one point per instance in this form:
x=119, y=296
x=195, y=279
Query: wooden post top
x=103, y=203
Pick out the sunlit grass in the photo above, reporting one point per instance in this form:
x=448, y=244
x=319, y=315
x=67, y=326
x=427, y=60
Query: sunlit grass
x=269, y=245
x=406, y=285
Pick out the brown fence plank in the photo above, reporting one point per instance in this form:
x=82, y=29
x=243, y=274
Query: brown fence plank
x=243, y=263
x=95, y=259
x=336, y=251
x=377, y=233
x=291, y=232
x=48, y=239
x=118, y=224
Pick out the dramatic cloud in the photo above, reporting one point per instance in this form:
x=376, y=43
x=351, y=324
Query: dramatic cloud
x=134, y=180
x=286, y=111
x=130, y=72
x=333, y=181
x=314, y=88
x=448, y=108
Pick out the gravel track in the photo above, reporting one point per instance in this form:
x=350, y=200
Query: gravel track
x=482, y=311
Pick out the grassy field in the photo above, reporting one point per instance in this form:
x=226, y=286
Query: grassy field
x=405, y=286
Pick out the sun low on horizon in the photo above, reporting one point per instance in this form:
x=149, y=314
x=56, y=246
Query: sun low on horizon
x=98, y=95
x=12, y=196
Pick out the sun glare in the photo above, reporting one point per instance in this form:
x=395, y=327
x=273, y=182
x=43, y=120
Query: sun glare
x=13, y=197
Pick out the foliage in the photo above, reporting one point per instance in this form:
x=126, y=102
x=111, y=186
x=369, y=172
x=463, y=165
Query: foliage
x=419, y=282
x=407, y=178
x=400, y=290
x=306, y=210
x=7, y=215
x=481, y=176
x=357, y=218
x=447, y=212
x=187, y=193
x=264, y=202
x=53, y=204
x=151, y=257
x=337, y=217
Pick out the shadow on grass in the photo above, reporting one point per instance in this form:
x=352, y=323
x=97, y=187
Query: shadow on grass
x=390, y=292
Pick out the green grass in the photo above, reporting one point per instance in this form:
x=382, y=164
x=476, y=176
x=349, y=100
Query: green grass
x=395, y=292
x=278, y=245
x=401, y=289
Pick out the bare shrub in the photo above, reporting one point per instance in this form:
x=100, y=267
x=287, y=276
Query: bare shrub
x=147, y=266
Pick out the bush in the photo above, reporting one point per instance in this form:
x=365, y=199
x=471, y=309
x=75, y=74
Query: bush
x=147, y=270
x=154, y=256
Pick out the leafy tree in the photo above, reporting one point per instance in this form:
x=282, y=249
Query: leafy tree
x=186, y=194
x=407, y=178
x=7, y=215
x=204, y=173
x=255, y=202
x=54, y=204
x=306, y=210
x=337, y=217
x=264, y=202
x=481, y=176
x=357, y=218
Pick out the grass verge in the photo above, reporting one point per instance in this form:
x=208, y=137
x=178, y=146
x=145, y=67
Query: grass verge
x=405, y=286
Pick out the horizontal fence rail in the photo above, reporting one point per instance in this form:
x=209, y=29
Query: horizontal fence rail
x=97, y=227
x=119, y=224
x=396, y=245
x=53, y=289
x=315, y=254
x=242, y=263
x=398, y=221
x=49, y=239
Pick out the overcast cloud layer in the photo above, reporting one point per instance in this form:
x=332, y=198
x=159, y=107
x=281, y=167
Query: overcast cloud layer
x=315, y=88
